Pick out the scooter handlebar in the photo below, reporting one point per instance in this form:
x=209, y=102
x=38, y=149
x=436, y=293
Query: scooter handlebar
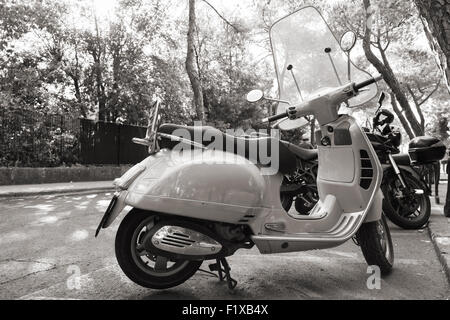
x=275, y=118
x=357, y=87
x=366, y=83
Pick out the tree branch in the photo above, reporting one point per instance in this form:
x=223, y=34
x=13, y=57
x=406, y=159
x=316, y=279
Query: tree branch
x=417, y=104
x=221, y=16
x=431, y=93
x=400, y=116
x=413, y=95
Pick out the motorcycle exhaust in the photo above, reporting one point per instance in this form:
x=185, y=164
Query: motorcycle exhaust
x=185, y=241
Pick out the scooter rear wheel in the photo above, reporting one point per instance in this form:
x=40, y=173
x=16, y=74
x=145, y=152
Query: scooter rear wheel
x=376, y=244
x=144, y=268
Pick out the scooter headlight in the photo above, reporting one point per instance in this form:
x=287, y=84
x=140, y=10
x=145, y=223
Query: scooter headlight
x=128, y=178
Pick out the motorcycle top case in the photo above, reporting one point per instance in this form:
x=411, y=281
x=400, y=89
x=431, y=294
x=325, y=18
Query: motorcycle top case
x=423, y=150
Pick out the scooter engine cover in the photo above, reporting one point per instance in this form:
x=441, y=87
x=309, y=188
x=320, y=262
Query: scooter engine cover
x=183, y=241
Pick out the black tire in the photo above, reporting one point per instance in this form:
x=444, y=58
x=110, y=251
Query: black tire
x=286, y=202
x=398, y=210
x=141, y=273
x=377, y=248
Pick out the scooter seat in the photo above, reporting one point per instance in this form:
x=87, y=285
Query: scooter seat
x=402, y=159
x=192, y=131
x=251, y=148
x=302, y=153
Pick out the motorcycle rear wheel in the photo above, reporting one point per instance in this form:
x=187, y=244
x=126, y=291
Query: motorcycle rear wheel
x=400, y=210
x=376, y=244
x=144, y=268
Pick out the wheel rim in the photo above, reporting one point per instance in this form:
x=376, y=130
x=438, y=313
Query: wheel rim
x=410, y=206
x=148, y=262
x=385, y=240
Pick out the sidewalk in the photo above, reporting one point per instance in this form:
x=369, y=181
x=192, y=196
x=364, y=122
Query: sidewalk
x=439, y=229
x=54, y=188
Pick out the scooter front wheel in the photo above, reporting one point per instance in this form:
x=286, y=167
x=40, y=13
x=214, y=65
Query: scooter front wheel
x=376, y=244
x=143, y=267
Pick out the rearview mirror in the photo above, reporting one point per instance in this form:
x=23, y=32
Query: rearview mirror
x=255, y=96
x=348, y=41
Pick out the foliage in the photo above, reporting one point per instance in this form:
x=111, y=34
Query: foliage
x=63, y=57
x=37, y=139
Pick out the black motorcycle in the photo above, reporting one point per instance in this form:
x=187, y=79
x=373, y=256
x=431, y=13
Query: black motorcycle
x=406, y=193
x=301, y=186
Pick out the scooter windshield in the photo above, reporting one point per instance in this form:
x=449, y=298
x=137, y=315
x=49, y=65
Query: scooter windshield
x=309, y=59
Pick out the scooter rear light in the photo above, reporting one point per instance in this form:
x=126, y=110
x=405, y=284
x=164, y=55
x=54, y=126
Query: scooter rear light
x=128, y=178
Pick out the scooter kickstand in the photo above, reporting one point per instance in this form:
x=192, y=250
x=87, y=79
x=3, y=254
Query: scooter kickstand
x=226, y=269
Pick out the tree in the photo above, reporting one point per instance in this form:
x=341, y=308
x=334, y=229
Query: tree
x=435, y=16
x=389, y=32
x=375, y=39
x=15, y=20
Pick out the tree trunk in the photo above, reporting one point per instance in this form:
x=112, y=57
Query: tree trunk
x=386, y=71
x=447, y=199
x=436, y=21
x=101, y=94
x=113, y=98
x=76, y=84
x=401, y=117
x=190, y=66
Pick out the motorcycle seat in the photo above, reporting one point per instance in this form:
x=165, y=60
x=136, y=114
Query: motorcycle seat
x=302, y=153
x=244, y=146
x=402, y=159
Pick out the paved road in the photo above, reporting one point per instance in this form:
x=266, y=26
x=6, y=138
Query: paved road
x=44, y=240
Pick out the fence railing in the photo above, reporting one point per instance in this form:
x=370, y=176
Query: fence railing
x=110, y=143
x=34, y=139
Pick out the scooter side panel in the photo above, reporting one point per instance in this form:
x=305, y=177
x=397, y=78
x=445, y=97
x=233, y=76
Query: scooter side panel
x=211, y=185
x=346, y=202
x=375, y=211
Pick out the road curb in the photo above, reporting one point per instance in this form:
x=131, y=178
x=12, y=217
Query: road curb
x=12, y=195
x=439, y=230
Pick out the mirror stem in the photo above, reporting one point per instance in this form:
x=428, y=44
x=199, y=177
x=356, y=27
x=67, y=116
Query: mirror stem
x=276, y=100
x=328, y=51
x=290, y=68
x=349, y=65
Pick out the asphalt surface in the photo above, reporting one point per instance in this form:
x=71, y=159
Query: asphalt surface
x=46, y=240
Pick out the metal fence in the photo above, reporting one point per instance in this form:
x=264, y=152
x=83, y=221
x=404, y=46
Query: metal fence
x=34, y=139
x=110, y=143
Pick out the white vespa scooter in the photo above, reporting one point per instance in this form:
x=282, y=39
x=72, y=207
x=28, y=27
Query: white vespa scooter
x=206, y=202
